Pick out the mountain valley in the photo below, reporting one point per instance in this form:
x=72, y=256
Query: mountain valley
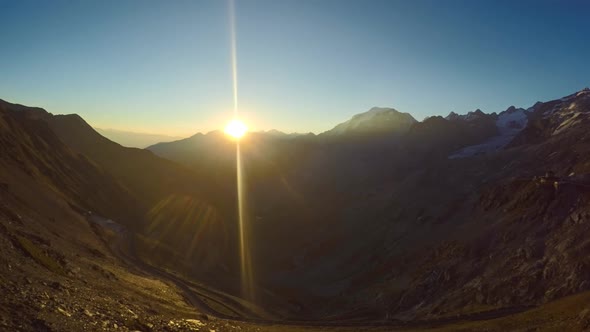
x=465, y=222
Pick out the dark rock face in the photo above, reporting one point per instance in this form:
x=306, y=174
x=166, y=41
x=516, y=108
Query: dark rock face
x=441, y=136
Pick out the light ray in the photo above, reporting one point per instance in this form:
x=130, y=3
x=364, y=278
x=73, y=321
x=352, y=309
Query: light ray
x=234, y=60
x=245, y=261
x=238, y=129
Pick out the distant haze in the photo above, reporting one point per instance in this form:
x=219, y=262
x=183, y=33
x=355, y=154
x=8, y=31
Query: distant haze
x=135, y=140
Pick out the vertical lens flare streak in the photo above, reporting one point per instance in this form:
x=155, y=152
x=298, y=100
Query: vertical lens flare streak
x=245, y=261
x=234, y=60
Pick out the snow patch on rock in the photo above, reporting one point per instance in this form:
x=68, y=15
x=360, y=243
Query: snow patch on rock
x=509, y=123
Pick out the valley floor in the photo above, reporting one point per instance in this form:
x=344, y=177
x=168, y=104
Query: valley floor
x=67, y=273
x=48, y=287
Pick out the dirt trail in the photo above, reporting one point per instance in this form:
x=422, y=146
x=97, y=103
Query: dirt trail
x=198, y=296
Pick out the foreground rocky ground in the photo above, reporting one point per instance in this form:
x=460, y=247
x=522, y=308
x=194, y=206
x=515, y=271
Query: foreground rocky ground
x=53, y=281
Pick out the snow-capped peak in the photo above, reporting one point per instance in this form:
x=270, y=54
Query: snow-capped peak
x=377, y=119
x=465, y=117
x=509, y=124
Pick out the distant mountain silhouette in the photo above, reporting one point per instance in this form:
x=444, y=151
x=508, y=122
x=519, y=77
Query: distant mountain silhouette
x=134, y=139
x=377, y=124
x=375, y=121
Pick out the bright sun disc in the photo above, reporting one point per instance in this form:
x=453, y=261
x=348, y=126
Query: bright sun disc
x=236, y=129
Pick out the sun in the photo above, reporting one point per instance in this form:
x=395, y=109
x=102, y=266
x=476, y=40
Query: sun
x=236, y=129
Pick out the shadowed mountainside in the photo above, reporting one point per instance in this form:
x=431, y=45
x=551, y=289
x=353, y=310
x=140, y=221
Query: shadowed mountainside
x=160, y=198
x=400, y=223
x=134, y=139
x=449, y=216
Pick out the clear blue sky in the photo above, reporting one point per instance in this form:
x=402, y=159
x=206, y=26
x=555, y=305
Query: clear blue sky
x=164, y=66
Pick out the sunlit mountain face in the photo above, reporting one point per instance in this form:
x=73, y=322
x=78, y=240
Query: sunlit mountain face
x=251, y=185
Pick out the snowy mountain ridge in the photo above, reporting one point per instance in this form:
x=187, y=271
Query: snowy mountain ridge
x=509, y=124
x=377, y=119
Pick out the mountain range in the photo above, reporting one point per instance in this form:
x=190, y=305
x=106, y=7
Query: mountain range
x=134, y=139
x=381, y=219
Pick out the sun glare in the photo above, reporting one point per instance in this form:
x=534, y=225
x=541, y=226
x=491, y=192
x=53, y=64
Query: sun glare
x=236, y=129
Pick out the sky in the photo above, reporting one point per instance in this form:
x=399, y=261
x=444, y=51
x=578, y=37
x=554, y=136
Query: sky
x=303, y=65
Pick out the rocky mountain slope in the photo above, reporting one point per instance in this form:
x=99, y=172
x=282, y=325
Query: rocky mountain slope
x=472, y=216
x=57, y=270
x=389, y=216
x=151, y=190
